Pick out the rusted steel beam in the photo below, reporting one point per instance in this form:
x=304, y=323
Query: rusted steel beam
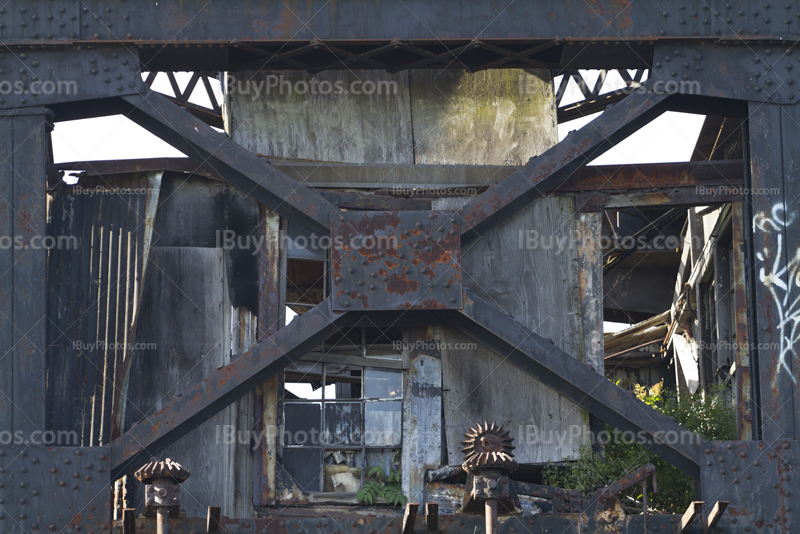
x=656, y=176
x=241, y=168
x=424, y=22
x=691, y=513
x=410, y=517
x=546, y=172
x=185, y=412
x=630, y=479
x=578, y=383
x=715, y=515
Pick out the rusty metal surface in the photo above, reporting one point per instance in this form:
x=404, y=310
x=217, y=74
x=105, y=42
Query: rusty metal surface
x=43, y=76
x=394, y=260
x=760, y=481
x=162, y=469
x=488, y=446
x=630, y=479
x=758, y=74
x=61, y=489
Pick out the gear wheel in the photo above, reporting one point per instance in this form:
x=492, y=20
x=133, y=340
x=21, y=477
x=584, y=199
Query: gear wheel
x=164, y=469
x=488, y=446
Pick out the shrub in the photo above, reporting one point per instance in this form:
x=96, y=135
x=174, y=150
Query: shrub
x=709, y=415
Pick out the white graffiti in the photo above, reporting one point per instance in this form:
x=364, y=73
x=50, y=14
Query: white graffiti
x=781, y=280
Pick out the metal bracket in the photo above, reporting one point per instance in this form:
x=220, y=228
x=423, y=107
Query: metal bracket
x=61, y=489
x=396, y=260
x=40, y=77
x=759, y=73
x=758, y=478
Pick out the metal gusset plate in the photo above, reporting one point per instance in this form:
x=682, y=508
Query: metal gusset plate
x=396, y=260
x=760, y=481
x=758, y=73
x=59, y=489
x=39, y=77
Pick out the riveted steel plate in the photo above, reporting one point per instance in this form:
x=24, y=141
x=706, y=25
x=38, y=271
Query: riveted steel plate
x=59, y=489
x=38, y=76
x=756, y=73
x=396, y=260
x=758, y=478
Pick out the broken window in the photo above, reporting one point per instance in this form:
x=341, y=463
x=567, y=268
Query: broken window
x=340, y=420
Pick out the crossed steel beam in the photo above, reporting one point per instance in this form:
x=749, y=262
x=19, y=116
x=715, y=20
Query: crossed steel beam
x=256, y=177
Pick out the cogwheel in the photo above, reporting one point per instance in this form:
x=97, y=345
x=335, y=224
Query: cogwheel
x=164, y=469
x=488, y=446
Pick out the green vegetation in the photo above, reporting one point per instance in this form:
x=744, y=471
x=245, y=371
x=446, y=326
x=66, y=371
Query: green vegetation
x=709, y=415
x=379, y=485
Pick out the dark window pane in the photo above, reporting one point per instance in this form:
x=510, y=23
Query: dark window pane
x=343, y=423
x=305, y=466
x=383, y=422
x=302, y=423
x=383, y=384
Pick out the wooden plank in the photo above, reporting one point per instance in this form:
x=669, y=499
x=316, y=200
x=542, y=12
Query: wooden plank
x=271, y=305
x=183, y=326
x=694, y=509
x=715, y=515
x=723, y=293
x=589, y=228
x=741, y=324
x=536, y=283
x=327, y=127
x=410, y=517
x=431, y=517
x=422, y=413
x=480, y=118
x=29, y=272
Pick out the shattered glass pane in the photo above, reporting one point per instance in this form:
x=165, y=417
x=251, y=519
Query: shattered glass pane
x=342, y=382
x=343, y=423
x=383, y=384
x=383, y=423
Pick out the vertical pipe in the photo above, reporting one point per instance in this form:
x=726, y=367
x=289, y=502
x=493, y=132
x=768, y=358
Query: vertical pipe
x=162, y=524
x=491, y=516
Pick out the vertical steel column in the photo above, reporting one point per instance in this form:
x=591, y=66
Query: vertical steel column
x=774, y=187
x=23, y=264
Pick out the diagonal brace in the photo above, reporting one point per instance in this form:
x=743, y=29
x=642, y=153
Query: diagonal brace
x=225, y=385
x=251, y=175
x=578, y=383
x=543, y=173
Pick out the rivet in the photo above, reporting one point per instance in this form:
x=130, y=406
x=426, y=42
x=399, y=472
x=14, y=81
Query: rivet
x=62, y=483
x=23, y=516
x=346, y=304
x=351, y=270
x=75, y=487
x=385, y=278
x=372, y=287
x=452, y=299
x=23, y=469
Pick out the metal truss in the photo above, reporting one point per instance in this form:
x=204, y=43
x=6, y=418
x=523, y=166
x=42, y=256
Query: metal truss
x=593, y=100
x=211, y=116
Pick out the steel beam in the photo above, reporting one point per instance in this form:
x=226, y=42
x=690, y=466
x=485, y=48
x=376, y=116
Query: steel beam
x=578, y=383
x=225, y=385
x=253, y=176
x=546, y=172
x=23, y=269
